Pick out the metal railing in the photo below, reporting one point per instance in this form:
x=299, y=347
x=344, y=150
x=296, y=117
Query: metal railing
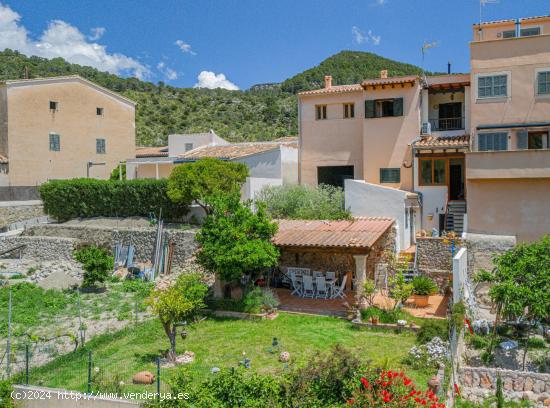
x=441, y=124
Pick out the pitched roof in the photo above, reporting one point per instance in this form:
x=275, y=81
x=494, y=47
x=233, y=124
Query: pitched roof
x=358, y=233
x=161, y=151
x=443, y=142
x=69, y=78
x=3, y=159
x=233, y=151
x=333, y=89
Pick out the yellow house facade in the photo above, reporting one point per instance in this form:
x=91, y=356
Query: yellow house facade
x=61, y=128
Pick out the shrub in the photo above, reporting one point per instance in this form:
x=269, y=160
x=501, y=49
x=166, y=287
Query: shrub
x=260, y=300
x=97, y=264
x=6, y=401
x=430, y=354
x=67, y=199
x=384, y=316
x=322, y=202
x=479, y=342
x=432, y=328
x=536, y=342
x=422, y=285
x=137, y=286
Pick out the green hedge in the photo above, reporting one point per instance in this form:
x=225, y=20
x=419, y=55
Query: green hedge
x=66, y=199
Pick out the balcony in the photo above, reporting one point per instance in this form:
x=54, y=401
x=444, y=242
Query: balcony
x=445, y=124
x=508, y=164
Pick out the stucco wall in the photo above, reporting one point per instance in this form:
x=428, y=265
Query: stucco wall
x=30, y=122
x=509, y=207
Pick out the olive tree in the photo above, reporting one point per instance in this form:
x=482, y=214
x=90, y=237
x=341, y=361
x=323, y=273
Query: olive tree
x=178, y=303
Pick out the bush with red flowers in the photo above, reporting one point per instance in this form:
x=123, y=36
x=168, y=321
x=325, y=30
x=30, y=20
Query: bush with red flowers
x=391, y=389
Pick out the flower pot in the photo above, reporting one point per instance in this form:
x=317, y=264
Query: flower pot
x=374, y=319
x=421, y=300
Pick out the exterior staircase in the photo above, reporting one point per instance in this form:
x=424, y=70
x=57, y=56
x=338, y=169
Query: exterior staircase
x=454, y=218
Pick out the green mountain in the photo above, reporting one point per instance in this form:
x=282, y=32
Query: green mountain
x=264, y=112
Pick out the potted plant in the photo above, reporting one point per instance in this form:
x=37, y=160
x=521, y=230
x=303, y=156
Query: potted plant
x=423, y=287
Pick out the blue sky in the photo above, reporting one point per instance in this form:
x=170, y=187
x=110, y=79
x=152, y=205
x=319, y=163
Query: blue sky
x=238, y=43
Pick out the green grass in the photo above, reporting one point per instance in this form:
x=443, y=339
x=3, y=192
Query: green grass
x=220, y=343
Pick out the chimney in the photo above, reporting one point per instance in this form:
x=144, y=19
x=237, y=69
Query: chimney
x=328, y=81
x=449, y=67
x=384, y=74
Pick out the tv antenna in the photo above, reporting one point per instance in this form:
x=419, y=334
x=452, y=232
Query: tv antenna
x=425, y=47
x=483, y=3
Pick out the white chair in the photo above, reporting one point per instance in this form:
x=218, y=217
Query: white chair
x=339, y=292
x=331, y=275
x=322, y=289
x=331, y=281
x=308, y=290
x=317, y=274
x=296, y=287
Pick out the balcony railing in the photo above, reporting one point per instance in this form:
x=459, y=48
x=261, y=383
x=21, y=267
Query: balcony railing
x=447, y=124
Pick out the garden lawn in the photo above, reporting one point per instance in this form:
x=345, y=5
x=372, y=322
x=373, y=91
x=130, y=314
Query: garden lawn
x=220, y=343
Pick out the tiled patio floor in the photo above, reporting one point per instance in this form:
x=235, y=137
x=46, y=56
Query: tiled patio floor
x=437, y=307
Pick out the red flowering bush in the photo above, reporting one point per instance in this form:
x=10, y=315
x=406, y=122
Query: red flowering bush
x=392, y=389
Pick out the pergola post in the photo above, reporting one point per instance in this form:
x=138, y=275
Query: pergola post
x=360, y=278
x=156, y=171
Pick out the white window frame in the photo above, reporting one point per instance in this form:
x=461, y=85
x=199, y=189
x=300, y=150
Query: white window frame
x=488, y=132
x=537, y=94
x=494, y=98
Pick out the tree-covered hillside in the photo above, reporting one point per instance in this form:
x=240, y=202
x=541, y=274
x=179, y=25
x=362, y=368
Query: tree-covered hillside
x=264, y=112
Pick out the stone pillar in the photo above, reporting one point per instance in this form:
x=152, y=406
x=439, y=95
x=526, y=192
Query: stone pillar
x=218, y=288
x=360, y=278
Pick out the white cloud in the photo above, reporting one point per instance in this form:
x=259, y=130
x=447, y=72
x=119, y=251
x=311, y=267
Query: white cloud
x=211, y=80
x=63, y=40
x=168, y=73
x=359, y=37
x=184, y=47
x=381, y=2
x=97, y=33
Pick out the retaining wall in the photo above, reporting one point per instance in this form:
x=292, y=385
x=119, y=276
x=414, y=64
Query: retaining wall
x=479, y=383
x=143, y=239
x=12, y=212
x=434, y=258
x=42, y=248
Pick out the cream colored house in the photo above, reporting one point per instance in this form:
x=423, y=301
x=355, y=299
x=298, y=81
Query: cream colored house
x=61, y=128
x=508, y=168
x=456, y=152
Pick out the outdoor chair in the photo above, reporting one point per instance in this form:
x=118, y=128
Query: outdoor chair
x=317, y=274
x=331, y=275
x=322, y=289
x=331, y=282
x=296, y=288
x=308, y=290
x=339, y=292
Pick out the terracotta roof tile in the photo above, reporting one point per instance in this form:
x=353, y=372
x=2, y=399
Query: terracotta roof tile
x=357, y=233
x=287, y=139
x=390, y=80
x=161, y=151
x=334, y=89
x=232, y=151
x=443, y=141
x=3, y=159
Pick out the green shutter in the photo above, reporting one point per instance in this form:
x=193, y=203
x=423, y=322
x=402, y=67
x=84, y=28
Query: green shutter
x=482, y=142
x=522, y=142
x=370, y=109
x=398, y=107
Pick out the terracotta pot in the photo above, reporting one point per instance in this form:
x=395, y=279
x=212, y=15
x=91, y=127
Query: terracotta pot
x=421, y=300
x=374, y=319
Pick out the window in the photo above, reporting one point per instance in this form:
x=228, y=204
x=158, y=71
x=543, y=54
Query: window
x=99, y=111
x=543, y=83
x=532, y=140
x=334, y=175
x=488, y=142
x=349, y=110
x=188, y=146
x=53, y=105
x=524, y=32
x=55, y=144
x=433, y=172
x=100, y=146
x=380, y=108
x=320, y=112
x=492, y=86
x=390, y=175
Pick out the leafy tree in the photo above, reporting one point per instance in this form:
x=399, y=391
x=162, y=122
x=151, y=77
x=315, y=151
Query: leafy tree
x=520, y=284
x=115, y=174
x=204, y=179
x=235, y=240
x=321, y=202
x=97, y=264
x=177, y=304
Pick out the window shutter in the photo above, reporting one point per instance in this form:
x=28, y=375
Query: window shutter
x=502, y=142
x=370, y=109
x=398, y=107
x=521, y=136
x=482, y=142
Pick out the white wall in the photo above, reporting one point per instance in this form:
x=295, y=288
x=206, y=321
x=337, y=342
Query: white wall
x=373, y=200
x=460, y=274
x=289, y=163
x=254, y=185
x=264, y=165
x=433, y=201
x=176, y=143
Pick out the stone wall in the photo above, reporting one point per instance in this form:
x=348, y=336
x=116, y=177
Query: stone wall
x=142, y=238
x=10, y=213
x=482, y=249
x=434, y=258
x=42, y=248
x=479, y=383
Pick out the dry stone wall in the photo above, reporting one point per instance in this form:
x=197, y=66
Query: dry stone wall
x=434, y=258
x=42, y=248
x=479, y=383
x=10, y=214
